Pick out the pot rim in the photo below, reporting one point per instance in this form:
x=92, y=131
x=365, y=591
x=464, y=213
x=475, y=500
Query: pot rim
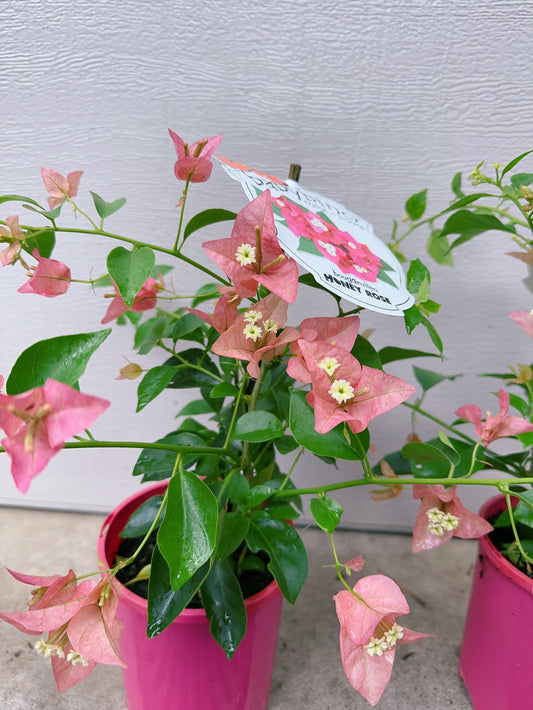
x=493, y=506
x=124, y=510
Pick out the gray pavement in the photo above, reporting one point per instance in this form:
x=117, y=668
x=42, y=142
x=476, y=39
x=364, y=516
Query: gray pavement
x=308, y=674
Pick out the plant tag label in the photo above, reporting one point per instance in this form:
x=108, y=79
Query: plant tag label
x=336, y=246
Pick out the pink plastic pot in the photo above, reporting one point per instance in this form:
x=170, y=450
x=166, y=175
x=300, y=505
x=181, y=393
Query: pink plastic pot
x=184, y=668
x=497, y=653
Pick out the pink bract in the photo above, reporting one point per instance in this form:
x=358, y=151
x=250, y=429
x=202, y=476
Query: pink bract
x=464, y=524
x=339, y=332
x=225, y=314
x=51, y=278
x=524, y=319
x=367, y=615
x=194, y=162
x=37, y=424
x=254, y=227
x=235, y=343
x=145, y=300
x=60, y=187
x=375, y=392
x=496, y=426
x=14, y=236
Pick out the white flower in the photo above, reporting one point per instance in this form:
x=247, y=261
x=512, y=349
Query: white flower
x=253, y=332
x=270, y=326
x=245, y=254
x=48, y=649
x=329, y=364
x=341, y=391
x=375, y=647
x=395, y=634
x=76, y=658
x=252, y=316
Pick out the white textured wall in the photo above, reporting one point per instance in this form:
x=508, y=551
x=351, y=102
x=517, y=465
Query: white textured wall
x=375, y=99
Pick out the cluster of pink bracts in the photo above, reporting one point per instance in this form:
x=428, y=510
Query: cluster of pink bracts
x=79, y=616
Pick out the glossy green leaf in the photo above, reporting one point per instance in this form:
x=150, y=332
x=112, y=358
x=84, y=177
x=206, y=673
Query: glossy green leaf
x=141, y=520
x=198, y=406
x=63, y=358
x=326, y=512
x=523, y=512
x=165, y=604
x=153, y=383
x=106, y=209
x=285, y=444
x=417, y=273
x=187, y=535
x=43, y=240
x=224, y=389
x=302, y=423
x=257, y=426
x=234, y=528
x=416, y=205
x=365, y=352
x=224, y=605
x=412, y=317
x=130, y=269
x=288, y=558
x=158, y=464
x=205, y=218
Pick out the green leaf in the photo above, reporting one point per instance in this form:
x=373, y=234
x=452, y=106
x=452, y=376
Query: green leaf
x=391, y=354
x=417, y=274
x=207, y=292
x=195, y=369
x=470, y=224
x=18, y=198
x=153, y=383
x=43, y=240
x=130, y=269
x=203, y=219
x=412, y=317
x=258, y=426
x=285, y=444
x=224, y=605
x=438, y=248
x=302, y=423
x=365, y=352
x=235, y=527
x=523, y=513
x=149, y=333
x=435, y=337
x=142, y=518
x=224, y=389
x=416, y=205
x=510, y=165
x=326, y=512
x=63, y=358
x=288, y=558
x=456, y=185
x=165, y=604
x=106, y=209
x=187, y=535
x=198, y=406
x=428, y=378
x=519, y=179
x=421, y=453
x=158, y=464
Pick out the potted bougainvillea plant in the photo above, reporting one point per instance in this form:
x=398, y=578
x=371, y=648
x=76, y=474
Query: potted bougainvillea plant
x=215, y=535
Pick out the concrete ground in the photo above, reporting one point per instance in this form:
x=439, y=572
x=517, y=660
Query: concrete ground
x=308, y=674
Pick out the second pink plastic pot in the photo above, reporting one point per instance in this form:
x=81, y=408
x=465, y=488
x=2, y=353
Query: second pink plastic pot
x=497, y=654
x=184, y=668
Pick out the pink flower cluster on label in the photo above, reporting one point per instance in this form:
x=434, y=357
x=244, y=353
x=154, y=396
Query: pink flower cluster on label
x=341, y=248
